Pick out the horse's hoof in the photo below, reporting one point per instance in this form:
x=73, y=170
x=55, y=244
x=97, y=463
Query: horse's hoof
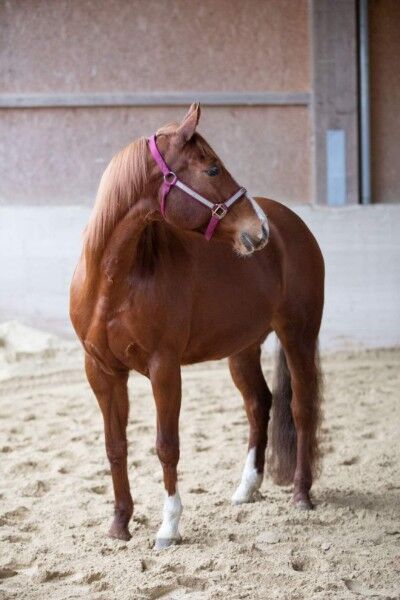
x=304, y=505
x=119, y=533
x=249, y=498
x=163, y=543
x=237, y=500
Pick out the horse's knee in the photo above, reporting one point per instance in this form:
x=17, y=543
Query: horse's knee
x=167, y=452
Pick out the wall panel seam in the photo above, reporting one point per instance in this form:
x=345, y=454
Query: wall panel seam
x=151, y=99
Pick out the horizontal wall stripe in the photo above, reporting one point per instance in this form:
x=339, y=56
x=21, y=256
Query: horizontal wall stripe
x=154, y=99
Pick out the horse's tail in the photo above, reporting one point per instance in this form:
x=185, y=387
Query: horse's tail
x=282, y=434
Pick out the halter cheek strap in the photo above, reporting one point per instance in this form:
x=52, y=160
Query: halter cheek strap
x=169, y=181
x=218, y=211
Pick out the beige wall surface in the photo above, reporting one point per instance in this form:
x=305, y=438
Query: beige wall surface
x=56, y=155
x=59, y=155
x=153, y=45
x=384, y=18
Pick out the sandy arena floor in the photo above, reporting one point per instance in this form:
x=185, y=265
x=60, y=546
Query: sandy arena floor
x=56, y=496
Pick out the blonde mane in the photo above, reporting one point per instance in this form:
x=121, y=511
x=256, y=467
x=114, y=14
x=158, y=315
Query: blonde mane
x=121, y=184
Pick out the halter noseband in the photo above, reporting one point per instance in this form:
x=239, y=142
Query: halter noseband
x=218, y=211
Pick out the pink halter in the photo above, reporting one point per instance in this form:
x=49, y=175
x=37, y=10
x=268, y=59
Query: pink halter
x=218, y=211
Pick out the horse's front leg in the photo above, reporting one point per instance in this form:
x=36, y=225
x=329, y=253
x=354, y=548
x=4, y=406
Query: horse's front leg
x=112, y=395
x=165, y=376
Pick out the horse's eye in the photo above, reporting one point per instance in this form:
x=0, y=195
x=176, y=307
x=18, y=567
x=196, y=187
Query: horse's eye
x=213, y=171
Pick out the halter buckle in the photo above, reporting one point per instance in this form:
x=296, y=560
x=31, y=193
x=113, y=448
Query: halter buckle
x=219, y=211
x=170, y=178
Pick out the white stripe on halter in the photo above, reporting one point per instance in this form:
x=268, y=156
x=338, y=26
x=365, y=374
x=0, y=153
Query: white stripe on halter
x=257, y=208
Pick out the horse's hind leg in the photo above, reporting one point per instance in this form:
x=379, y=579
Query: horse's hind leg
x=245, y=368
x=302, y=358
x=112, y=395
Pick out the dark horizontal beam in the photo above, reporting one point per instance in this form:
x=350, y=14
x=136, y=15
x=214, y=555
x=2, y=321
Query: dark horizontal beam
x=154, y=99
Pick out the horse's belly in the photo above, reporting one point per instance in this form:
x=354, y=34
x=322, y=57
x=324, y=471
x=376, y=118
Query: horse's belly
x=219, y=338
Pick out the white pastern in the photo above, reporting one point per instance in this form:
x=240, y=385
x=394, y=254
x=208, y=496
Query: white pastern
x=250, y=482
x=171, y=514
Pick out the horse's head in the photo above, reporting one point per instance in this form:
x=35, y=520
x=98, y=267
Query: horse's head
x=192, y=161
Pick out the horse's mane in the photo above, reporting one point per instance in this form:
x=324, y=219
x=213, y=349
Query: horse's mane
x=121, y=184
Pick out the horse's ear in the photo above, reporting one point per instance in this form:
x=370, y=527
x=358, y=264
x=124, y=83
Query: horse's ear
x=188, y=126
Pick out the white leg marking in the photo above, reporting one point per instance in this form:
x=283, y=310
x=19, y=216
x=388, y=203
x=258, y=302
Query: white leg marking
x=250, y=482
x=168, y=532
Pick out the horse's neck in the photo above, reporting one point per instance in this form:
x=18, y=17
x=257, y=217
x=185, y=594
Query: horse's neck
x=122, y=247
x=113, y=259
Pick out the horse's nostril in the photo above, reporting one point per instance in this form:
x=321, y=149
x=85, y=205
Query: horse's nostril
x=254, y=243
x=263, y=238
x=265, y=232
x=247, y=242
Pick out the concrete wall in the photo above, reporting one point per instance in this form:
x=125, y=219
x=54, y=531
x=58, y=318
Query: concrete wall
x=39, y=247
x=56, y=155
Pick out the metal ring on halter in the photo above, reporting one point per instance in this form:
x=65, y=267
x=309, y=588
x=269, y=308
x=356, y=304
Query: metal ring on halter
x=219, y=210
x=170, y=178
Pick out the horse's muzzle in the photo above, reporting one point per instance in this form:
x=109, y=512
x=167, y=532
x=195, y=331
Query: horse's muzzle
x=251, y=243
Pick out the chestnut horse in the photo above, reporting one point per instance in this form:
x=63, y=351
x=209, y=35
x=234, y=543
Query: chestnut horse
x=151, y=293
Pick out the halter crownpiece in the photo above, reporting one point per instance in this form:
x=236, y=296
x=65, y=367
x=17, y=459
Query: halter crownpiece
x=218, y=211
